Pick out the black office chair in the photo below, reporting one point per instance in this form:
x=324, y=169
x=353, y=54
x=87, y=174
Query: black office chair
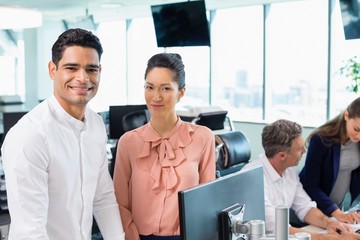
x=135, y=119
x=232, y=152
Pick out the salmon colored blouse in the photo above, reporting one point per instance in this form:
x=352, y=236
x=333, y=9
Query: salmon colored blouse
x=150, y=170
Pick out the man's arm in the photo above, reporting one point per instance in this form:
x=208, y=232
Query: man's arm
x=25, y=163
x=316, y=218
x=106, y=209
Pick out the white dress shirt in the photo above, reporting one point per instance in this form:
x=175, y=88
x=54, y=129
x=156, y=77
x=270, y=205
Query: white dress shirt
x=285, y=190
x=57, y=177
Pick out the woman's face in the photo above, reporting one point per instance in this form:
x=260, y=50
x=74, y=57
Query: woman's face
x=352, y=127
x=161, y=92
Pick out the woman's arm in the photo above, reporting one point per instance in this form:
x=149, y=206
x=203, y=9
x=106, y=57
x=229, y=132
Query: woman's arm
x=318, y=161
x=208, y=164
x=122, y=175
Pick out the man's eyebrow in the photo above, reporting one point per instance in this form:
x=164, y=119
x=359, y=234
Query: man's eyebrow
x=93, y=65
x=70, y=65
x=76, y=65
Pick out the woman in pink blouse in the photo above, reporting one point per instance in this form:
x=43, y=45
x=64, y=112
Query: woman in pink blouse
x=155, y=161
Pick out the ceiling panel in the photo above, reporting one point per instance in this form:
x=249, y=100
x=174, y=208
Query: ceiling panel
x=60, y=9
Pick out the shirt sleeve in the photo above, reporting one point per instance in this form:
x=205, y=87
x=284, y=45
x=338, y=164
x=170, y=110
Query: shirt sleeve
x=25, y=167
x=106, y=210
x=302, y=202
x=269, y=211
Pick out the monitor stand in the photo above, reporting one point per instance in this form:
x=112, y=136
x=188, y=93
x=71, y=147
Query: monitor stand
x=232, y=226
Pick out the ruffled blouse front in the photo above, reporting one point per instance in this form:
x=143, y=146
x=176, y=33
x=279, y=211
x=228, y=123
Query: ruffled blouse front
x=164, y=152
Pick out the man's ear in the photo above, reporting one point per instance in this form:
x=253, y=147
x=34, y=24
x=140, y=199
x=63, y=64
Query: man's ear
x=51, y=69
x=282, y=155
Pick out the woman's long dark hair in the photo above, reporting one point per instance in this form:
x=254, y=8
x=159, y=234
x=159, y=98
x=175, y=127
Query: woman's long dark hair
x=335, y=129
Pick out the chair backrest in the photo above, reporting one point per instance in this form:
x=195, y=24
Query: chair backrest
x=135, y=119
x=233, y=152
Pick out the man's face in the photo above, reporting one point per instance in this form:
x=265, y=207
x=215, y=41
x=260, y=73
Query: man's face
x=77, y=77
x=297, y=149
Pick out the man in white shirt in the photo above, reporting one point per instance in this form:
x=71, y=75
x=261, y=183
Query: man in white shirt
x=284, y=146
x=55, y=162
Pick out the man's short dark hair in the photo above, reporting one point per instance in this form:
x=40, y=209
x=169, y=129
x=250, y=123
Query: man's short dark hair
x=75, y=37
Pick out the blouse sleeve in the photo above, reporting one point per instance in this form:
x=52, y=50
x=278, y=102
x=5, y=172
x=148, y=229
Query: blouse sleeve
x=207, y=165
x=122, y=178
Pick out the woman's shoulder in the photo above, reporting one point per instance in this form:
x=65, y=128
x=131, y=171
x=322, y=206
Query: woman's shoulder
x=323, y=140
x=134, y=133
x=197, y=128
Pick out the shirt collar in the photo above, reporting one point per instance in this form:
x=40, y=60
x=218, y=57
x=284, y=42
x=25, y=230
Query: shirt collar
x=271, y=172
x=61, y=115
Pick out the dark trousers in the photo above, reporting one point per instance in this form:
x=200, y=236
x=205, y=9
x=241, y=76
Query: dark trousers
x=153, y=237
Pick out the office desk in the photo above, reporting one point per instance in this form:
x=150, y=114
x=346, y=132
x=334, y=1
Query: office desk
x=314, y=229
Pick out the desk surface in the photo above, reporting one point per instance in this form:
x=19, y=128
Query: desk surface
x=314, y=229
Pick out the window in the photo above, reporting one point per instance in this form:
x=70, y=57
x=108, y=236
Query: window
x=141, y=46
x=265, y=62
x=237, y=61
x=342, y=50
x=296, y=61
x=113, y=84
x=197, y=62
x=12, y=80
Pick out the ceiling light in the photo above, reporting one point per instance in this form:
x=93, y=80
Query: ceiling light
x=19, y=18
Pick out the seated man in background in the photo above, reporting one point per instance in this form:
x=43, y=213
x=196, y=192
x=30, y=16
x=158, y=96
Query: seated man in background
x=284, y=145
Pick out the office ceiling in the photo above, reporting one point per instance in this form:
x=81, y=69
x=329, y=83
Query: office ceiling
x=110, y=9
x=60, y=9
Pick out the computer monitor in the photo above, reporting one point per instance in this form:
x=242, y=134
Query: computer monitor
x=212, y=120
x=116, y=114
x=351, y=18
x=200, y=207
x=9, y=120
x=181, y=24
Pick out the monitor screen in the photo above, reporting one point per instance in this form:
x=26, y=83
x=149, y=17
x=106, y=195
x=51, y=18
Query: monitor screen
x=212, y=120
x=181, y=24
x=200, y=208
x=351, y=18
x=116, y=114
x=9, y=120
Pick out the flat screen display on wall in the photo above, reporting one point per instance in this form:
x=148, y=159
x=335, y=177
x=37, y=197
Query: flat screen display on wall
x=181, y=24
x=351, y=18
